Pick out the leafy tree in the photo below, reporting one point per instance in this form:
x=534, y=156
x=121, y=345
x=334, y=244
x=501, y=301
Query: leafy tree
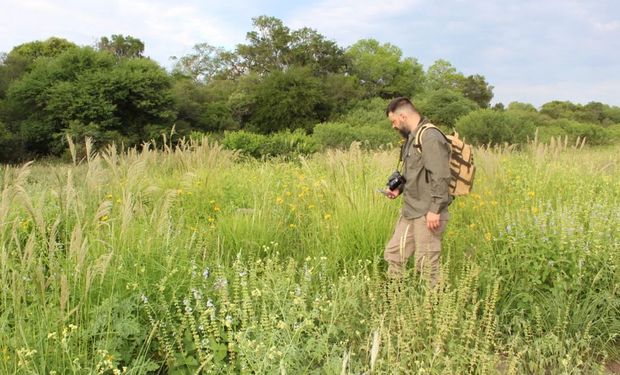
x=486, y=126
x=20, y=59
x=122, y=46
x=444, y=107
x=207, y=63
x=476, y=88
x=269, y=46
x=92, y=93
x=518, y=106
x=559, y=109
x=286, y=100
x=382, y=71
x=203, y=107
x=442, y=75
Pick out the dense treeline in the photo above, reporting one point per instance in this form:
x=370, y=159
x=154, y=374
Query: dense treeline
x=283, y=90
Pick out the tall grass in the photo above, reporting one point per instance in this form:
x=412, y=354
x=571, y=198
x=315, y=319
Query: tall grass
x=193, y=260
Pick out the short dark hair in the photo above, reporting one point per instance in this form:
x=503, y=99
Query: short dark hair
x=398, y=103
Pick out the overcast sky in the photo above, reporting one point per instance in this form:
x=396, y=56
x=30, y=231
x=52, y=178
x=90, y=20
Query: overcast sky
x=531, y=51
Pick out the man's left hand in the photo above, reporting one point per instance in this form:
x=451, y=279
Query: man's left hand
x=432, y=220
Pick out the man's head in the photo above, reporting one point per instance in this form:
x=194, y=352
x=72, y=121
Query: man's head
x=403, y=115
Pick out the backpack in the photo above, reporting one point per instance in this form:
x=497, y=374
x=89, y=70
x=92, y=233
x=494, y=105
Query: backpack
x=462, y=165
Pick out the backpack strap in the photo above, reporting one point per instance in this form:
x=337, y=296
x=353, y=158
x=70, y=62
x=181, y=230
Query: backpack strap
x=417, y=143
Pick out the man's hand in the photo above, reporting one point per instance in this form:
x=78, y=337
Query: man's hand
x=392, y=194
x=432, y=220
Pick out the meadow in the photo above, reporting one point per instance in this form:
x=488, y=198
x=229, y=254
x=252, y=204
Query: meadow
x=195, y=259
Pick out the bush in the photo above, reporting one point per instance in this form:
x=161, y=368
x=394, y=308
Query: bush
x=594, y=134
x=341, y=135
x=369, y=112
x=285, y=143
x=486, y=127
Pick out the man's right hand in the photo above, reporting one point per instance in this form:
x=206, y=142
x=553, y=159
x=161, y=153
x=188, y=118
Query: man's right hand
x=392, y=194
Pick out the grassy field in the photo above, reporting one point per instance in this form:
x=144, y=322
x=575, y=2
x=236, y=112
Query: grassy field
x=196, y=260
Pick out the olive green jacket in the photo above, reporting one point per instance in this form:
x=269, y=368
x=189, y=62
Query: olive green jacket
x=427, y=174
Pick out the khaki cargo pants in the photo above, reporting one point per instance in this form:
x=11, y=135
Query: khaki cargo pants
x=411, y=236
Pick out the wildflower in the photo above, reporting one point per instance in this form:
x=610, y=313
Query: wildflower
x=197, y=294
x=220, y=283
x=216, y=208
x=292, y=226
x=531, y=194
x=210, y=304
x=487, y=236
x=279, y=200
x=104, y=218
x=256, y=293
x=144, y=299
x=206, y=273
x=327, y=216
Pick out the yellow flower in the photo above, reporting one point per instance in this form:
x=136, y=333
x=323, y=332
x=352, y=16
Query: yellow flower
x=531, y=194
x=104, y=218
x=292, y=226
x=534, y=210
x=472, y=226
x=279, y=200
x=488, y=236
x=211, y=219
x=216, y=208
x=327, y=216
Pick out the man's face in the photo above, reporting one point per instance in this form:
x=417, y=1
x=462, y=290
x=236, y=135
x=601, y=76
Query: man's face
x=398, y=123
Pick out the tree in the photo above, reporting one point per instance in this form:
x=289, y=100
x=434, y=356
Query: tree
x=444, y=107
x=207, y=63
x=269, y=46
x=442, y=75
x=21, y=58
x=476, y=88
x=518, y=106
x=559, y=109
x=381, y=70
x=122, y=46
x=286, y=100
x=204, y=107
x=90, y=93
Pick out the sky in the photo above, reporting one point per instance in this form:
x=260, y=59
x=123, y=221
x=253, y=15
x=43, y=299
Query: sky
x=531, y=51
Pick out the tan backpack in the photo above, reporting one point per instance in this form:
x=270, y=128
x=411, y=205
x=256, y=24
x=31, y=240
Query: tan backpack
x=461, y=161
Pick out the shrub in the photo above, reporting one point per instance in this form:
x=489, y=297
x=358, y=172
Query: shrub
x=486, y=126
x=284, y=143
x=341, y=135
x=594, y=134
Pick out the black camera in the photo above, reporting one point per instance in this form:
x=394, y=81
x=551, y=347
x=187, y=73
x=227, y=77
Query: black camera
x=395, y=181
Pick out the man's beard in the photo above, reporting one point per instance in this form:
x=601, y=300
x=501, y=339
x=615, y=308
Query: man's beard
x=404, y=132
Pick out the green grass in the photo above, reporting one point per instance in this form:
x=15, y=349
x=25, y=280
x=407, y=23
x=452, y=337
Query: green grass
x=193, y=259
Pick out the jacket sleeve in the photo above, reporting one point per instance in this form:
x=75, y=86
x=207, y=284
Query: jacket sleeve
x=436, y=157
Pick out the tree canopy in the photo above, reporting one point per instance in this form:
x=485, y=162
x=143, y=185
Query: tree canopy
x=278, y=80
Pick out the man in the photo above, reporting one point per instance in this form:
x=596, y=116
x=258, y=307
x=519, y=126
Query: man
x=423, y=219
